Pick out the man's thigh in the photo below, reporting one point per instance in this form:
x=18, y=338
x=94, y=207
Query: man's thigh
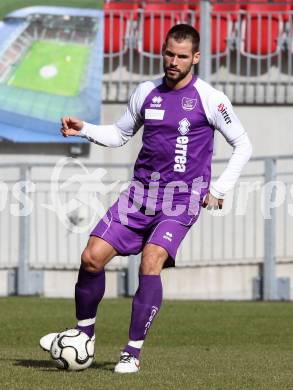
x=169, y=231
x=125, y=239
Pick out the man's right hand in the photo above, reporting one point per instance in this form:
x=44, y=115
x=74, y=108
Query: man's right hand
x=70, y=126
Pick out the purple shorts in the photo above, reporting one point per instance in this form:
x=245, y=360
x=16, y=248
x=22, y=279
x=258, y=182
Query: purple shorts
x=129, y=239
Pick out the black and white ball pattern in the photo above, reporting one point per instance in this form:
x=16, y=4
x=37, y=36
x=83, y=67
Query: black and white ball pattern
x=72, y=350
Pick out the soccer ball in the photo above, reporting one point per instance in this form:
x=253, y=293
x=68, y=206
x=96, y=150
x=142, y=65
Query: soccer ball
x=72, y=350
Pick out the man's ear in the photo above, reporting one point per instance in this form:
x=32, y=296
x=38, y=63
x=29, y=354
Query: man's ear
x=196, y=58
x=163, y=48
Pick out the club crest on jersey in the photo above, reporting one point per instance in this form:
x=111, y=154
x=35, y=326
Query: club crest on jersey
x=184, y=126
x=188, y=104
x=156, y=102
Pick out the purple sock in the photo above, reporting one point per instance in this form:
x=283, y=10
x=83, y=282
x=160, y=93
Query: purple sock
x=89, y=291
x=146, y=304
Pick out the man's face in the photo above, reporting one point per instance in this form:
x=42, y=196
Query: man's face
x=178, y=59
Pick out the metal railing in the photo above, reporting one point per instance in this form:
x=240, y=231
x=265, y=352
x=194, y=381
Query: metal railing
x=247, y=54
x=47, y=214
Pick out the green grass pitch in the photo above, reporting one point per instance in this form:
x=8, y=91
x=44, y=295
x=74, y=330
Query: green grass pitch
x=52, y=67
x=192, y=345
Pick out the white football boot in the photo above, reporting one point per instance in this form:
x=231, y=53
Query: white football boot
x=127, y=364
x=46, y=341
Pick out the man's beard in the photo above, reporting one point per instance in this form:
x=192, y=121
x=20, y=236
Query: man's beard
x=177, y=75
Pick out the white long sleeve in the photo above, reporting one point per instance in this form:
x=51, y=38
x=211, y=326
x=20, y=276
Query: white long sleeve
x=126, y=127
x=107, y=135
x=221, y=116
x=242, y=151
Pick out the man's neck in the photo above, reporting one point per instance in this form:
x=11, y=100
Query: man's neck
x=180, y=84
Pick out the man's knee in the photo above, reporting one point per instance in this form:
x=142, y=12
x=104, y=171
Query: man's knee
x=149, y=267
x=153, y=259
x=91, y=261
x=97, y=254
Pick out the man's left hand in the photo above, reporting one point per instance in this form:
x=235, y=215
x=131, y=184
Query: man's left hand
x=210, y=202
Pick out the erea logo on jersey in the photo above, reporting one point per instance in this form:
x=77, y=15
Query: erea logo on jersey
x=181, y=146
x=223, y=110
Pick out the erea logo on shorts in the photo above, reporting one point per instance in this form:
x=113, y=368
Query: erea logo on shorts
x=223, y=110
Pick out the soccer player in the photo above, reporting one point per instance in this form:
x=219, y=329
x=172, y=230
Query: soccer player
x=171, y=182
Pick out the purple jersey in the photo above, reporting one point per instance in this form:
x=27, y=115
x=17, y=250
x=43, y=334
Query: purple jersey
x=178, y=133
x=177, y=137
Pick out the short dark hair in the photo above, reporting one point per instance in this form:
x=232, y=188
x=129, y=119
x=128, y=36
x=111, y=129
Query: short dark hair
x=180, y=32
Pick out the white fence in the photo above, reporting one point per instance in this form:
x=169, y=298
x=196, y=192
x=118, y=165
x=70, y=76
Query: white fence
x=48, y=212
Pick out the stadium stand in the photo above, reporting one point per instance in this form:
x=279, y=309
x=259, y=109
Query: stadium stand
x=30, y=111
x=260, y=20
x=9, y=30
x=251, y=46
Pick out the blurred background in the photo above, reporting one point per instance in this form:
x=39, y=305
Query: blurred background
x=84, y=58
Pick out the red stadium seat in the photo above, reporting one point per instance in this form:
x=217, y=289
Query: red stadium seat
x=117, y=22
x=223, y=16
x=263, y=27
x=156, y=21
x=230, y=7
